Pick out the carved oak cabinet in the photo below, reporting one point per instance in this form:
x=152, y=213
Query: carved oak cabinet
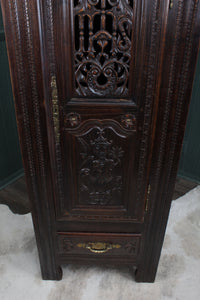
x=102, y=89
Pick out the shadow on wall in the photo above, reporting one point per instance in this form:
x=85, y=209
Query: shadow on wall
x=10, y=157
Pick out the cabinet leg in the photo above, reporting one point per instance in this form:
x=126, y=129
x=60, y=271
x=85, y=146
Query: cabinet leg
x=52, y=274
x=144, y=275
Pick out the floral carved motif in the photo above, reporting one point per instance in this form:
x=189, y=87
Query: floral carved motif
x=73, y=119
x=99, y=180
x=129, y=121
x=103, y=31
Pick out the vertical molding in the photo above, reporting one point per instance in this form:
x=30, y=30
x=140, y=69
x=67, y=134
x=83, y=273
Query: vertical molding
x=147, y=94
x=28, y=91
x=49, y=72
x=169, y=136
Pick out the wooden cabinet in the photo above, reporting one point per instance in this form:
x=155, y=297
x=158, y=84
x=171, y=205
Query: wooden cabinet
x=102, y=89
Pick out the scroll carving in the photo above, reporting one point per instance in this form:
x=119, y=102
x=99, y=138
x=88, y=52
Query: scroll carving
x=103, y=31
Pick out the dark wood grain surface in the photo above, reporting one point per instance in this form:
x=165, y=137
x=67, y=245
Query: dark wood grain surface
x=102, y=90
x=15, y=195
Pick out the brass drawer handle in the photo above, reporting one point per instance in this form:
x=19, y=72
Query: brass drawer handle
x=98, y=247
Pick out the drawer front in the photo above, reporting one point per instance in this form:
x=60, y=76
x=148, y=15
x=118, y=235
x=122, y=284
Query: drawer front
x=99, y=244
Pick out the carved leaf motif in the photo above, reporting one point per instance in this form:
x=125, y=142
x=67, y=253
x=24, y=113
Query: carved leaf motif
x=67, y=245
x=97, y=175
x=131, y=247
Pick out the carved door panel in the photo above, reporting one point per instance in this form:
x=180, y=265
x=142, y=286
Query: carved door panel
x=101, y=152
x=99, y=148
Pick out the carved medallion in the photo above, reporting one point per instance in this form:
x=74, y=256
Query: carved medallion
x=129, y=121
x=100, y=181
x=103, y=31
x=73, y=119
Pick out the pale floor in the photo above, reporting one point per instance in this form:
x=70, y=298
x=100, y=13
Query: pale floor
x=178, y=275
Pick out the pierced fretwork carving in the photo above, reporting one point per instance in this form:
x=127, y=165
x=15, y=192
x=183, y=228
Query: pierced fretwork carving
x=99, y=180
x=103, y=31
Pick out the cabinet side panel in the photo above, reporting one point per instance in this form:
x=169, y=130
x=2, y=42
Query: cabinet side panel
x=182, y=36
x=23, y=43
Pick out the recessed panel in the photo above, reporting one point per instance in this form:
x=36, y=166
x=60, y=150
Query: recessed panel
x=99, y=147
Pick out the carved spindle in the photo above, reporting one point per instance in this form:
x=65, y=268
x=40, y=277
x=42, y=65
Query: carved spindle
x=81, y=24
x=114, y=40
x=103, y=14
x=90, y=49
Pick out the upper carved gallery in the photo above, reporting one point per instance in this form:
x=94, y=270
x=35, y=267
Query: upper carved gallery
x=103, y=30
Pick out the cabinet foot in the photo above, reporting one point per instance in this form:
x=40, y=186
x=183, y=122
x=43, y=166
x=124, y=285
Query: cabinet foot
x=142, y=275
x=52, y=274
